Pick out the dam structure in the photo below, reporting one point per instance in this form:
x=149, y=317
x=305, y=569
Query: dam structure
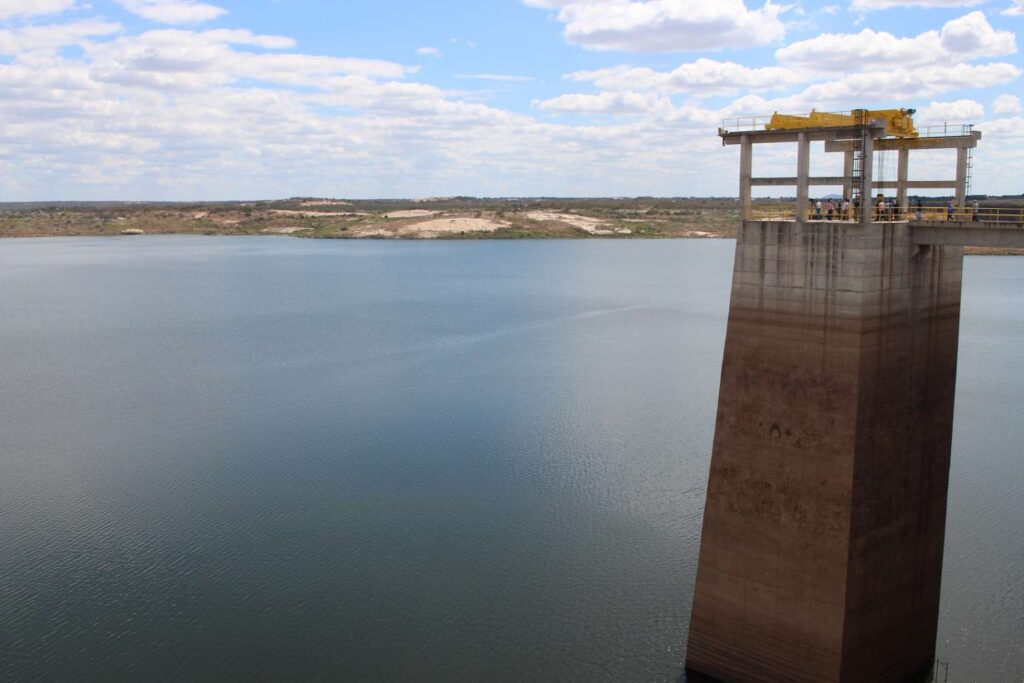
x=822, y=542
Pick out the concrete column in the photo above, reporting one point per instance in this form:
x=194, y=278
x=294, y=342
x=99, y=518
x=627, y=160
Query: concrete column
x=803, y=172
x=961, y=176
x=867, y=177
x=901, y=181
x=821, y=547
x=848, y=175
x=746, y=167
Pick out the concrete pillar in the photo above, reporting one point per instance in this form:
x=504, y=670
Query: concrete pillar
x=901, y=181
x=848, y=175
x=803, y=172
x=821, y=548
x=867, y=177
x=961, y=176
x=746, y=168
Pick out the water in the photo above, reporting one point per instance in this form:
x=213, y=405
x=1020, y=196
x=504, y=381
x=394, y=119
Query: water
x=272, y=458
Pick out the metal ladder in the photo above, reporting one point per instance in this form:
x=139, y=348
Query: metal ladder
x=970, y=172
x=857, y=172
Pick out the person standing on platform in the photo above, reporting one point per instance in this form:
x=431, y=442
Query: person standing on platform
x=974, y=210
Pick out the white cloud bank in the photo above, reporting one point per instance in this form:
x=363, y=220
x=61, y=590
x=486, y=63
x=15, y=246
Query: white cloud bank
x=867, y=5
x=30, y=8
x=703, y=77
x=1016, y=9
x=665, y=25
x=185, y=113
x=1006, y=104
x=173, y=11
x=892, y=69
x=966, y=38
x=959, y=111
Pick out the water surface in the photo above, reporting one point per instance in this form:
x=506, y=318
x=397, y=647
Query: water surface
x=273, y=458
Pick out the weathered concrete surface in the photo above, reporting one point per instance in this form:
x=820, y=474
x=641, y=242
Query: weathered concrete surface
x=821, y=552
x=967, y=233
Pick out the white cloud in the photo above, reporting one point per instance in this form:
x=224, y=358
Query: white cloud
x=862, y=5
x=665, y=25
x=47, y=38
x=1011, y=128
x=1016, y=9
x=29, y=8
x=703, y=77
x=1006, y=104
x=173, y=58
x=971, y=36
x=495, y=77
x=428, y=51
x=605, y=103
x=173, y=11
x=896, y=87
x=960, y=111
x=966, y=38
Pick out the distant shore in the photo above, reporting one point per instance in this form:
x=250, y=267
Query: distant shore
x=450, y=218
x=438, y=219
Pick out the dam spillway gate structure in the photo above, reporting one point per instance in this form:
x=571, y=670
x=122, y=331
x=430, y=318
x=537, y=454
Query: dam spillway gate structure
x=822, y=540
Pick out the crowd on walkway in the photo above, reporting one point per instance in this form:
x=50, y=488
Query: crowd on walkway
x=883, y=209
x=834, y=210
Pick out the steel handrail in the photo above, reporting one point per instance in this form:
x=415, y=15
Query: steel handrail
x=986, y=214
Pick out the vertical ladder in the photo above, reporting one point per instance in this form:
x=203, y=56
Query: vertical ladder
x=970, y=171
x=857, y=173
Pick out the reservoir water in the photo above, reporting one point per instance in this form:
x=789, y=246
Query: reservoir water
x=283, y=459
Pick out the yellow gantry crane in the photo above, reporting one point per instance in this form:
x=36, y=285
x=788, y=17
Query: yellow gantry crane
x=899, y=123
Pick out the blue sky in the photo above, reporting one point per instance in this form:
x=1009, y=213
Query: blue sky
x=183, y=99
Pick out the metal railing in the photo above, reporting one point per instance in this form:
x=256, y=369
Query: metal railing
x=1001, y=215
x=735, y=124
x=941, y=130
x=745, y=123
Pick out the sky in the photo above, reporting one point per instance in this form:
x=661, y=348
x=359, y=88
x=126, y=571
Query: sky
x=258, y=99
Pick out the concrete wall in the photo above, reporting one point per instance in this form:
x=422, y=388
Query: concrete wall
x=823, y=529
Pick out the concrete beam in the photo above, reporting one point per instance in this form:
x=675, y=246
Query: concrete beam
x=814, y=180
x=890, y=144
x=914, y=184
x=813, y=134
x=966, y=234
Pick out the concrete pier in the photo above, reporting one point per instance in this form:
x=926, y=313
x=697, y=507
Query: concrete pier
x=821, y=552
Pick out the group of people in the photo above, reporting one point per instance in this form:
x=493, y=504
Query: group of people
x=835, y=210
x=885, y=209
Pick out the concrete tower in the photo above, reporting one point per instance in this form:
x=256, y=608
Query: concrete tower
x=821, y=550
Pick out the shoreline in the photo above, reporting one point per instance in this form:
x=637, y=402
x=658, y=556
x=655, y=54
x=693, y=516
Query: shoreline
x=968, y=251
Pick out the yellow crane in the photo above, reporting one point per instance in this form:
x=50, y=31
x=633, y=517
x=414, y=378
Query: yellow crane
x=899, y=123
